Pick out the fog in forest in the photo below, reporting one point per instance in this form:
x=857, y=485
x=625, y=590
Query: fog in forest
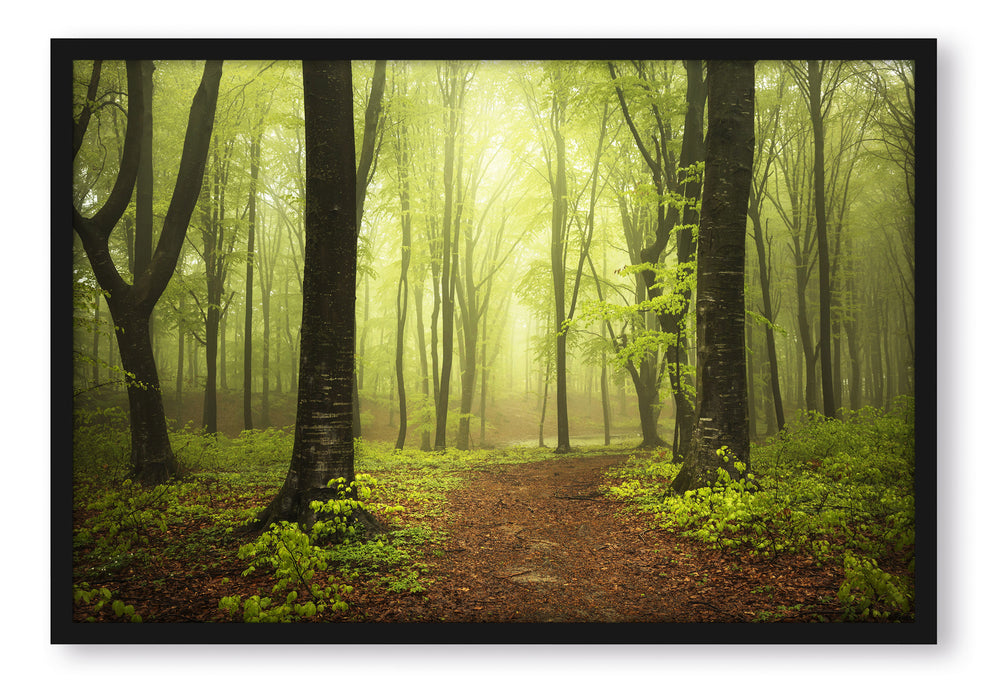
x=508, y=210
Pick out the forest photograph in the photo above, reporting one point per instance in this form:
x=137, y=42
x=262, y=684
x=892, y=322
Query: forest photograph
x=623, y=334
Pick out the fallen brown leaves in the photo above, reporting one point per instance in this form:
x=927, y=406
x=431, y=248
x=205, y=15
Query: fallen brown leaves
x=531, y=542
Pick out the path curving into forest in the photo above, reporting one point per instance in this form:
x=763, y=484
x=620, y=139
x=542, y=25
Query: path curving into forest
x=540, y=542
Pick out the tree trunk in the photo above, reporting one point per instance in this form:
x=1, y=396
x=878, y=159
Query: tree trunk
x=213, y=255
x=222, y=356
x=145, y=190
x=98, y=296
x=424, y=368
x=852, y=342
x=453, y=94
x=150, y=447
x=402, y=293
x=558, y=271
x=721, y=419
x=323, y=449
x=689, y=188
x=180, y=331
x=606, y=409
x=249, y=279
x=647, y=399
x=768, y=313
x=131, y=305
x=543, y=409
x=750, y=382
x=482, y=403
x=824, y=277
x=266, y=348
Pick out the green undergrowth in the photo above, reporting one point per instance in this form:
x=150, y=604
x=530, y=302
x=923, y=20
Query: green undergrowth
x=839, y=491
x=122, y=529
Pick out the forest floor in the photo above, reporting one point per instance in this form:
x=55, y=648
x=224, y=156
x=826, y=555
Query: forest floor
x=539, y=542
x=530, y=542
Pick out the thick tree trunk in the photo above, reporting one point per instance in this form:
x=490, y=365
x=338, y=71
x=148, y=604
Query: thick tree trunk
x=151, y=452
x=323, y=449
x=722, y=419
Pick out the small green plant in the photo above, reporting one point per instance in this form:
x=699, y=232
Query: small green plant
x=295, y=560
x=868, y=592
x=296, y=555
x=123, y=518
x=98, y=598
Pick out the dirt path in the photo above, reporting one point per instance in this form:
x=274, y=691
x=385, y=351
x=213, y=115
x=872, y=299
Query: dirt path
x=540, y=543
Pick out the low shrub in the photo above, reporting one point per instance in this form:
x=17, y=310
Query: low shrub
x=841, y=491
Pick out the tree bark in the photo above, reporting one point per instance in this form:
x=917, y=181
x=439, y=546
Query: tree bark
x=721, y=418
x=323, y=449
x=771, y=340
x=402, y=293
x=453, y=90
x=824, y=277
x=424, y=368
x=557, y=269
x=255, y=154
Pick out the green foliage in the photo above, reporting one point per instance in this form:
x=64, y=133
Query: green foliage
x=101, y=446
x=97, y=598
x=295, y=561
x=389, y=558
x=867, y=591
x=124, y=517
x=295, y=557
x=839, y=491
x=644, y=478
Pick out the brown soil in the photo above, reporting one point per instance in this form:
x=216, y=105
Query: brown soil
x=539, y=543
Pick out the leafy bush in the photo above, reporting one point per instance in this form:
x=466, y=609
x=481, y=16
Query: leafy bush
x=295, y=557
x=123, y=517
x=869, y=592
x=287, y=549
x=841, y=491
x=101, y=446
